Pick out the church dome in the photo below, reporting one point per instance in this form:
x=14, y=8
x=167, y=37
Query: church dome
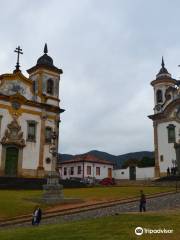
x=163, y=72
x=45, y=59
x=45, y=62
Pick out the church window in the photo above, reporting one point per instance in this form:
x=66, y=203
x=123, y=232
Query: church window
x=48, y=134
x=159, y=96
x=171, y=133
x=88, y=170
x=161, y=158
x=72, y=171
x=31, y=131
x=97, y=171
x=48, y=160
x=50, y=86
x=79, y=170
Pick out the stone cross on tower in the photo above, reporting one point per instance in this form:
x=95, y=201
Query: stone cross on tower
x=18, y=50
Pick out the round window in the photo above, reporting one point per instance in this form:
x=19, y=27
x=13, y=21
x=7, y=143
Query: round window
x=48, y=160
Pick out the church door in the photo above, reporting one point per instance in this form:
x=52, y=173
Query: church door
x=11, y=161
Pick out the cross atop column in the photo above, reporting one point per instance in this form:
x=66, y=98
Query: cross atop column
x=18, y=50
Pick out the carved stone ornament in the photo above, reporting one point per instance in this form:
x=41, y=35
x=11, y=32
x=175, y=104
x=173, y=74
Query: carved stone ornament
x=13, y=134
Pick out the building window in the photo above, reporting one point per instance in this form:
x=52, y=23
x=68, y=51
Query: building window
x=31, y=131
x=88, y=170
x=65, y=171
x=161, y=158
x=48, y=134
x=79, y=170
x=171, y=133
x=159, y=96
x=97, y=171
x=50, y=86
x=72, y=171
x=122, y=172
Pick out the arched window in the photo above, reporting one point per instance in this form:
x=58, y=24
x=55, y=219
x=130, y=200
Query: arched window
x=171, y=133
x=159, y=96
x=48, y=134
x=50, y=86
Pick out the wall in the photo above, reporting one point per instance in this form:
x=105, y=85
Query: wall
x=164, y=148
x=103, y=170
x=141, y=173
x=121, y=173
x=68, y=166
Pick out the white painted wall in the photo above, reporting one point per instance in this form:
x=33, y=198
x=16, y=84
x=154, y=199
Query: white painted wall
x=103, y=170
x=31, y=150
x=141, y=173
x=68, y=166
x=164, y=148
x=144, y=173
x=121, y=173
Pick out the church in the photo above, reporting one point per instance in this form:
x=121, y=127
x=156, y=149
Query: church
x=166, y=120
x=29, y=117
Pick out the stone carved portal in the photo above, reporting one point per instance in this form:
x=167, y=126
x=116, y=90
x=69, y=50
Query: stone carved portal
x=13, y=134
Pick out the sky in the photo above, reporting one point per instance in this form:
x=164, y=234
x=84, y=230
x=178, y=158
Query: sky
x=110, y=51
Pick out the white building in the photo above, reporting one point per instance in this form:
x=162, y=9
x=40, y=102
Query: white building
x=86, y=166
x=29, y=113
x=166, y=120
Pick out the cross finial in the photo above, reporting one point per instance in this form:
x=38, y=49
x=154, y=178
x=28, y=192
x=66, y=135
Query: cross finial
x=162, y=64
x=45, y=48
x=18, y=50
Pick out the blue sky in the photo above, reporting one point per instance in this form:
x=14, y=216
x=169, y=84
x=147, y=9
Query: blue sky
x=110, y=51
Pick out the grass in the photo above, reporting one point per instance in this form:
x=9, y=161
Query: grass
x=13, y=203
x=120, y=227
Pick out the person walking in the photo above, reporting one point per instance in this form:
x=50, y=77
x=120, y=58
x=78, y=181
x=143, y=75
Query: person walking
x=168, y=171
x=142, y=205
x=37, y=215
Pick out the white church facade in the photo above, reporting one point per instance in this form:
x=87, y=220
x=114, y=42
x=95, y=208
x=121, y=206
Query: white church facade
x=29, y=114
x=166, y=120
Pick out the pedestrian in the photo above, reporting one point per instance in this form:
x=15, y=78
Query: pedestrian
x=37, y=215
x=168, y=171
x=142, y=204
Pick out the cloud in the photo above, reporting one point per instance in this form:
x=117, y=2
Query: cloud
x=109, y=52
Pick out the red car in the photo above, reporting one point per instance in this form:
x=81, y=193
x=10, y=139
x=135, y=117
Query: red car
x=107, y=181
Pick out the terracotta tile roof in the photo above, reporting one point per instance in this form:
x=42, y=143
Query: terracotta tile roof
x=87, y=158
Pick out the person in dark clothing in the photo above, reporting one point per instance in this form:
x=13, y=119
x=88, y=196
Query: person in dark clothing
x=37, y=215
x=142, y=204
x=168, y=171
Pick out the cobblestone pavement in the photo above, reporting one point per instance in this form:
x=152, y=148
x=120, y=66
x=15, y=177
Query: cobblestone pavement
x=168, y=202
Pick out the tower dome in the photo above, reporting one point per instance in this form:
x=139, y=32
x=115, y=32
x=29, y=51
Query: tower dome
x=163, y=72
x=45, y=62
x=45, y=59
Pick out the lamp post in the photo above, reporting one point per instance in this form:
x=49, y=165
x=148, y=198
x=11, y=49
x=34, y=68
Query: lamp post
x=53, y=191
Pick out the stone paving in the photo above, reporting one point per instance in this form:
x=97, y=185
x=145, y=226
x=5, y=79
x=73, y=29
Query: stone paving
x=163, y=203
x=168, y=202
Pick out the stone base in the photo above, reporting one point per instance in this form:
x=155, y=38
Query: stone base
x=53, y=191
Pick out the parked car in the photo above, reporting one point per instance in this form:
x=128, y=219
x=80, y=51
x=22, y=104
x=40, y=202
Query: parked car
x=107, y=181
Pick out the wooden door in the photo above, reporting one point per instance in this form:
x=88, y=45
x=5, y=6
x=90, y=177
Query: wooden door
x=109, y=172
x=11, y=161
